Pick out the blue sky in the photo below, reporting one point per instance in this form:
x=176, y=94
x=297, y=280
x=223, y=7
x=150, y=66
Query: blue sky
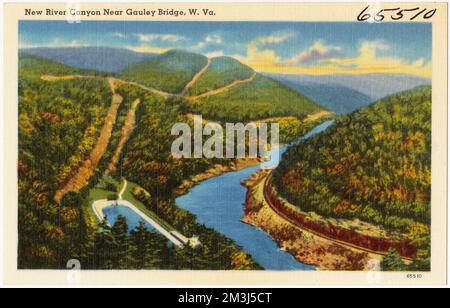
x=289, y=47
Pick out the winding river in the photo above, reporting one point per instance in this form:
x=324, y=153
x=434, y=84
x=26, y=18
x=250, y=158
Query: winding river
x=219, y=204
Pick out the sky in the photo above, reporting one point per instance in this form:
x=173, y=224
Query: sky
x=272, y=47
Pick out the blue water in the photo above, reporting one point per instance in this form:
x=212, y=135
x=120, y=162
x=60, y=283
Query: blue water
x=133, y=219
x=219, y=204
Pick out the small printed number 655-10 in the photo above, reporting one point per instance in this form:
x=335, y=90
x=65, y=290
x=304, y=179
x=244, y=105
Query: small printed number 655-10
x=395, y=14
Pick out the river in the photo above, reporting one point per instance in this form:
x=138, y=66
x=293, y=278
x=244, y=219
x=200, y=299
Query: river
x=219, y=204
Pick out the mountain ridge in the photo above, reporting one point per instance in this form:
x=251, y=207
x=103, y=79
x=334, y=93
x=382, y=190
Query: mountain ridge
x=105, y=59
x=375, y=85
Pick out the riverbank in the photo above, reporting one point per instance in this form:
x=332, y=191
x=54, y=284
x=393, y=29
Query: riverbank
x=217, y=170
x=305, y=246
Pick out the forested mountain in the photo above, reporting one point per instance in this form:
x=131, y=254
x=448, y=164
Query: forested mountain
x=337, y=98
x=59, y=123
x=169, y=72
x=259, y=98
x=374, y=165
x=104, y=59
x=375, y=86
x=35, y=67
x=62, y=115
x=224, y=90
x=220, y=72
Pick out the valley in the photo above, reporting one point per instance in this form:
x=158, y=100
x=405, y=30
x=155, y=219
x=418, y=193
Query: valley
x=109, y=128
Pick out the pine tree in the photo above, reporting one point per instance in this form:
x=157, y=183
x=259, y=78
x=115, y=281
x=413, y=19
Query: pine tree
x=145, y=256
x=392, y=261
x=104, y=245
x=122, y=258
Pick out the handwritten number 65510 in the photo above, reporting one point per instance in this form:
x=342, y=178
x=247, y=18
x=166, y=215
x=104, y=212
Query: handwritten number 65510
x=395, y=14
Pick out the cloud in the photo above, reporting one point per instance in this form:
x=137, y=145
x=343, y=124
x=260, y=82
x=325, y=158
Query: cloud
x=259, y=55
x=57, y=42
x=328, y=59
x=271, y=39
x=162, y=37
x=118, y=35
x=259, y=59
x=209, y=40
x=370, y=61
x=214, y=54
x=147, y=49
x=318, y=51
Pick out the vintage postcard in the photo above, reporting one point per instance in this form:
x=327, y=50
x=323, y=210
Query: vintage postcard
x=225, y=143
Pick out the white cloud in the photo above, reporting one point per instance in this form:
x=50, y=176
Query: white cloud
x=147, y=49
x=162, y=37
x=272, y=39
x=318, y=51
x=118, y=35
x=214, y=54
x=209, y=40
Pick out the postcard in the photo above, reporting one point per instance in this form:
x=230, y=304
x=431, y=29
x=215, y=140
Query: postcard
x=225, y=143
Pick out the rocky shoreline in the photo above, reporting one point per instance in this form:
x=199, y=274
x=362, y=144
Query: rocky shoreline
x=303, y=245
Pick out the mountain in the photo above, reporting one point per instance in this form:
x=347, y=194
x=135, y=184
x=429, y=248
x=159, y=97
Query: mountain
x=35, y=66
x=374, y=164
x=259, y=98
x=221, y=88
x=169, y=72
x=104, y=59
x=375, y=86
x=337, y=98
x=220, y=72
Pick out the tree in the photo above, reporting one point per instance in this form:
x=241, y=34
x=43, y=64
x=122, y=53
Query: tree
x=143, y=255
x=104, y=245
x=112, y=197
x=392, y=261
x=122, y=257
x=72, y=199
x=111, y=186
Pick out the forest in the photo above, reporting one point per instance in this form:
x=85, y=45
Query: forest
x=221, y=71
x=59, y=123
x=259, y=99
x=374, y=165
x=168, y=72
x=64, y=118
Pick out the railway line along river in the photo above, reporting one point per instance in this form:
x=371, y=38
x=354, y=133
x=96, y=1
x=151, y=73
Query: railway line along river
x=219, y=204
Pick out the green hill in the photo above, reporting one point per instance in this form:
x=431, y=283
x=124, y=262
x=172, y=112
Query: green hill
x=35, y=66
x=258, y=99
x=374, y=165
x=59, y=124
x=221, y=71
x=168, y=72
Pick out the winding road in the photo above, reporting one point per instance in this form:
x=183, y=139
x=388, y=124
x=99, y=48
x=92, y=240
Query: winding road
x=224, y=88
x=195, y=78
x=265, y=180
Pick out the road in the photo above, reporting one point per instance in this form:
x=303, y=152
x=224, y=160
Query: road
x=195, y=78
x=265, y=181
x=116, y=82
x=224, y=88
x=125, y=183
